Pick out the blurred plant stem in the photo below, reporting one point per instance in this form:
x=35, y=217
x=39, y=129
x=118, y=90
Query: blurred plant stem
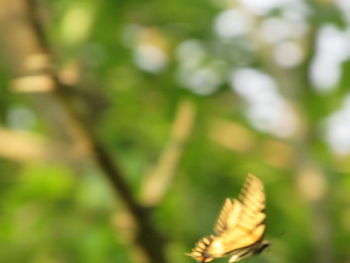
x=159, y=179
x=29, y=51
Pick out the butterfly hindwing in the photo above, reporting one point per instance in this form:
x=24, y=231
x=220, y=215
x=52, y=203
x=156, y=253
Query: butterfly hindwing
x=229, y=216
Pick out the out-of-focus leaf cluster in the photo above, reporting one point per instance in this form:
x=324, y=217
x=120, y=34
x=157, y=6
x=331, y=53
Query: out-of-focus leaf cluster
x=263, y=104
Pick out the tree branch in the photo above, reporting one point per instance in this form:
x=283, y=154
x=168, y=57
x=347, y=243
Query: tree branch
x=21, y=17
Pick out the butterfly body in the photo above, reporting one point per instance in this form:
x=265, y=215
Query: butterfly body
x=239, y=229
x=248, y=252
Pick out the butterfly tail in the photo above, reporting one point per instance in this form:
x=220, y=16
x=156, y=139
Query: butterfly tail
x=199, y=252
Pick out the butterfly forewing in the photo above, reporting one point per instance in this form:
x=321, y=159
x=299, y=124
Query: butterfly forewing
x=252, y=198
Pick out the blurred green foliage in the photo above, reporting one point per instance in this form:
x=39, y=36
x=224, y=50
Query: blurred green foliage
x=59, y=210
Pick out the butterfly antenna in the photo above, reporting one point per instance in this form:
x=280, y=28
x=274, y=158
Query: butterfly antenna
x=282, y=233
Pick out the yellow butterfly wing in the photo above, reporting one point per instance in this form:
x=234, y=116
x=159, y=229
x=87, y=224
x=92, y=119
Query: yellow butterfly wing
x=240, y=224
x=229, y=216
x=246, y=227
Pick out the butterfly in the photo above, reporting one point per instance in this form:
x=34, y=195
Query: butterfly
x=239, y=229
